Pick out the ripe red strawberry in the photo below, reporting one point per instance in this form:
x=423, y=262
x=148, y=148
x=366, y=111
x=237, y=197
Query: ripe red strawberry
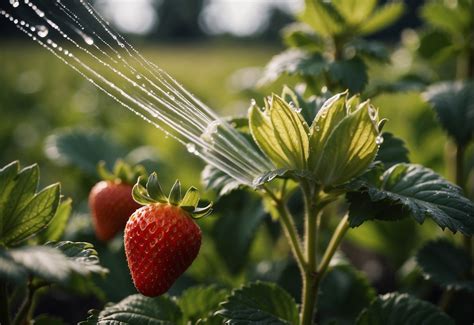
x=162, y=239
x=111, y=202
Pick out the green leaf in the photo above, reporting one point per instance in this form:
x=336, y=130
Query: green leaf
x=215, y=179
x=309, y=106
x=355, y=11
x=344, y=292
x=291, y=132
x=328, y=117
x=54, y=262
x=370, y=49
x=350, y=74
x=22, y=212
x=137, y=309
x=57, y=226
x=280, y=133
x=260, y=303
x=323, y=18
x=9, y=269
x=454, y=106
x=453, y=20
x=293, y=62
x=392, y=150
x=83, y=257
x=396, y=308
x=199, y=303
x=446, y=265
x=350, y=147
x=408, y=190
x=382, y=17
x=300, y=36
x=83, y=149
x=240, y=215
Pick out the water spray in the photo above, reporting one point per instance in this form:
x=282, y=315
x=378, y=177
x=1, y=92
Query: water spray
x=80, y=37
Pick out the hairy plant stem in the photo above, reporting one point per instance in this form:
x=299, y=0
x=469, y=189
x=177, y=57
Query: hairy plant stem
x=4, y=304
x=310, y=288
x=287, y=222
x=311, y=274
x=334, y=243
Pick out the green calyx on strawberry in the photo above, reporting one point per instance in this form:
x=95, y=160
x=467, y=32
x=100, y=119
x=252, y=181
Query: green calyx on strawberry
x=121, y=173
x=161, y=238
x=110, y=200
x=151, y=193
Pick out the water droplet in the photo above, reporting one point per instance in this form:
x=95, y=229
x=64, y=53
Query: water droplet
x=138, y=76
x=191, y=147
x=317, y=128
x=379, y=140
x=42, y=31
x=253, y=102
x=297, y=109
x=89, y=40
x=15, y=3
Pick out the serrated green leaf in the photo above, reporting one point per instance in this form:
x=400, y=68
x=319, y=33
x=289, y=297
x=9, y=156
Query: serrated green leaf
x=291, y=133
x=199, y=303
x=355, y=11
x=54, y=262
x=215, y=179
x=370, y=49
x=34, y=216
x=392, y=151
x=408, y=190
x=280, y=133
x=454, y=105
x=446, y=264
x=350, y=147
x=323, y=18
x=83, y=257
x=260, y=303
x=264, y=135
x=240, y=215
x=382, y=17
x=300, y=36
x=396, y=308
x=293, y=62
x=137, y=309
x=83, y=149
x=56, y=228
x=343, y=293
x=328, y=117
x=350, y=74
